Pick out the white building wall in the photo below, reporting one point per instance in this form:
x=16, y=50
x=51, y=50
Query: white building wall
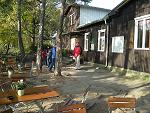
x=87, y=15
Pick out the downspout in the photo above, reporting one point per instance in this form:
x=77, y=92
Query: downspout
x=107, y=29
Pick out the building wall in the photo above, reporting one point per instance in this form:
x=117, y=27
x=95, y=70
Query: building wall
x=93, y=55
x=80, y=13
x=122, y=24
x=87, y=15
x=76, y=11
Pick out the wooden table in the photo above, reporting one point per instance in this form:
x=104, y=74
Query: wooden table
x=33, y=93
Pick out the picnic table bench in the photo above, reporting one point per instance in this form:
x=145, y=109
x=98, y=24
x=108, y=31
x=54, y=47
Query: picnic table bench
x=121, y=102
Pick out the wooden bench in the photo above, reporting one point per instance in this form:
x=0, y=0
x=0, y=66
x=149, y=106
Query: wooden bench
x=121, y=102
x=74, y=108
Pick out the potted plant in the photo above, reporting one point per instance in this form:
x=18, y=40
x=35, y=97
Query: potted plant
x=20, y=86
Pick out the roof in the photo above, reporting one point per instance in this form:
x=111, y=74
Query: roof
x=74, y=32
x=111, y=13
x=87, y=6
x=92, y=23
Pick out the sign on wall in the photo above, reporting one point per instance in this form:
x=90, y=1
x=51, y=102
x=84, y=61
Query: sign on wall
x=92, y=46
x=117, y=44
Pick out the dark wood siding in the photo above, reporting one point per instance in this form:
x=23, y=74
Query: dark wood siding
x=94, y=55
x=122, y=24
x=73, y=27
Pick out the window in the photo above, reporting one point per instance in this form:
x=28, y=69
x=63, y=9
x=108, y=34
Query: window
x=72, y=19
x=86, y=41
x=101, y=40
x=142, y=32
x=73, y=41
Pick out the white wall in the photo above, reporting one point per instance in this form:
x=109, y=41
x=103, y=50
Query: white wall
x=87, y=15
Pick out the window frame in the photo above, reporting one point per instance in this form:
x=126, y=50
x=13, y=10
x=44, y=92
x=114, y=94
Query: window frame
x=72, y=19
x=101, y=37
x=141, y=18
x=86, y=39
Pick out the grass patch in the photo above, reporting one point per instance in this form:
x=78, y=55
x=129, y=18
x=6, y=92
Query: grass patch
x=131, y=74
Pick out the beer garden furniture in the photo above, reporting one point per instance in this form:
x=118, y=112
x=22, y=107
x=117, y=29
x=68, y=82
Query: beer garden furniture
x=123, y=103
x=73, y=106
x=31, y=94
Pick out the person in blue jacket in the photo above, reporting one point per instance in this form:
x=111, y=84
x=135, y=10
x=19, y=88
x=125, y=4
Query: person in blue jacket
x=52, y=64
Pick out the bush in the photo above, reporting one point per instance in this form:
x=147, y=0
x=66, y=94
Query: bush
x=64, y=52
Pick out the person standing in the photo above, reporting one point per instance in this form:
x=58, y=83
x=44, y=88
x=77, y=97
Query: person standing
x=49, y=56
x=44, y=56
x=52, y=64
x=76, y=53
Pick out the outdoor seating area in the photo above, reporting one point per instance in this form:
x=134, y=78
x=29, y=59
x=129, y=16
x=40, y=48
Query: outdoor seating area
x=74, y=56
x=10, y=96
x=38, y=91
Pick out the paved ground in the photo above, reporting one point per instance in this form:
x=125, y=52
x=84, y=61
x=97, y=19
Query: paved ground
x=102, y=84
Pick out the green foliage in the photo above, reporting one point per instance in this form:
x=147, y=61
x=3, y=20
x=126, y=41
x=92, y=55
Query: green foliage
x=30, y=24
x=51, y=19
x=19, y=85
x=64, y=52
x=8, y=30
x=6, y=6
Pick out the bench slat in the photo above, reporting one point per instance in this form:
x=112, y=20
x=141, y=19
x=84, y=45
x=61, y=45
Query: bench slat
x=118, y=99
x=75, y=111
x=121, y=105
x=72, y=107
x=120, y=102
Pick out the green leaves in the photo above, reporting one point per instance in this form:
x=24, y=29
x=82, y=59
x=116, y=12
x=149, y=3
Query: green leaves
x=6, y=6
x=30, y=22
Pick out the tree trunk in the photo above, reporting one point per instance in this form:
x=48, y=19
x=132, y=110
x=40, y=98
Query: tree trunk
x=40, y=40
x=33, y=31
x=8, y=47
x=20, y=42
x=58, y=64
x=33, y=34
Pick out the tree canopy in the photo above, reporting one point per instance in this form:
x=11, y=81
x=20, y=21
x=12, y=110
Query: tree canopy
x=30, y=23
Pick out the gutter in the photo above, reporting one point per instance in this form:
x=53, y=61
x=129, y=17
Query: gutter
x=107, y=26
x=107, y=45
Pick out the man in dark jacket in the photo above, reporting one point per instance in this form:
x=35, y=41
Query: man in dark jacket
x=53, y=59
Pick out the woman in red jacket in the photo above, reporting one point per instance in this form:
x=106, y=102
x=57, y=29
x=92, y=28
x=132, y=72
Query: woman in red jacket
x=76, y=53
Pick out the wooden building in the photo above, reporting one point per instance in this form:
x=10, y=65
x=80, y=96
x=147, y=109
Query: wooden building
x=78, y=16
x=129, y=30
x=121, y=38
x=94, y=41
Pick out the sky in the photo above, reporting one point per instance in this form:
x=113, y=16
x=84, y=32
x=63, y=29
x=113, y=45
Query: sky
x=108, y=4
